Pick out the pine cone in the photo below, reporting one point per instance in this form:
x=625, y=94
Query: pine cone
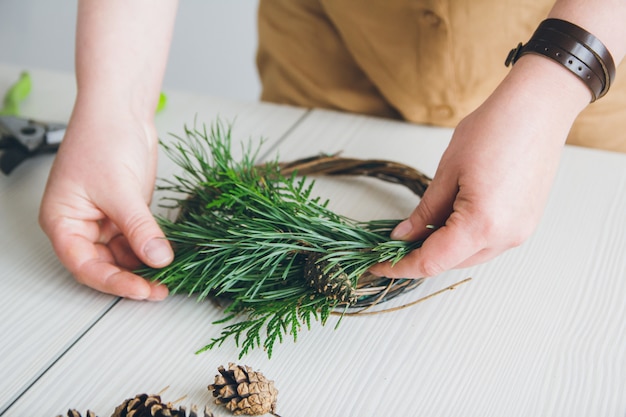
x=144, y=405
x=74, y=413
x=244, y=391
x=334, y=283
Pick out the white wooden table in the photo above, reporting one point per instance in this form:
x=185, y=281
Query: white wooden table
x=539, y=331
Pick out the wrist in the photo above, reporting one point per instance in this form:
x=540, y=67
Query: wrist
x=122, y=99
x=115, y=105
x=107, y=119
x=574, y=48
x=548, y=87
x=536, y=103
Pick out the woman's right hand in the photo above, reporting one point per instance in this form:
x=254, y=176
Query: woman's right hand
x=95, y=208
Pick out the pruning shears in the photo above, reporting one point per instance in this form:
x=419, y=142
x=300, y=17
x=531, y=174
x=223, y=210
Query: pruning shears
x=22, y=138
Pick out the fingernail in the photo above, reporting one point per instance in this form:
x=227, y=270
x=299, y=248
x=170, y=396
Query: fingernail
x=159, y=292
x=158, y=252
x=138, y=296
x=402, y=230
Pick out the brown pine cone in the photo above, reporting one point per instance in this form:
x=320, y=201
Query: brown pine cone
x=144, y=405
x=74, y=413
x=333, y=283
x=244, y=391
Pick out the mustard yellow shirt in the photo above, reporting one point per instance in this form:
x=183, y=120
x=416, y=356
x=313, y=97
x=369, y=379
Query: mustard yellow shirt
x=424, y=61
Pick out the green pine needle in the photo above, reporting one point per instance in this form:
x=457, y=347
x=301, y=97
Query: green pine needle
x=244, y=232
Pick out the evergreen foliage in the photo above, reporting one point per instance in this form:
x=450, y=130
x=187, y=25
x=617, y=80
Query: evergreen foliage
x=244, y=232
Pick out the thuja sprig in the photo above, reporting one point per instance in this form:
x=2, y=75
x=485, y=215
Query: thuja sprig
x=244, y=232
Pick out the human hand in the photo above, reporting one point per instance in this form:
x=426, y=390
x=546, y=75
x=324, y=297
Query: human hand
x=492, y=183
x=95, y=206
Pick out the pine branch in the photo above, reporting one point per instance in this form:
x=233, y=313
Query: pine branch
x=245, y=233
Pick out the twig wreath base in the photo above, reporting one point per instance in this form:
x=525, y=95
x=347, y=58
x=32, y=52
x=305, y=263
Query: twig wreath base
x=254, y=234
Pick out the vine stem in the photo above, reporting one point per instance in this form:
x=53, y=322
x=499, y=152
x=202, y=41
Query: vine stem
x=403, y=306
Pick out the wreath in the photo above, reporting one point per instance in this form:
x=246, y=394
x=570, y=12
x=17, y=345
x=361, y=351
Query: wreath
x=253, y=234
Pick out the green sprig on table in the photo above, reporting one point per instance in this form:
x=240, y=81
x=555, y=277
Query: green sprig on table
x=16, y=94
x=244, y=233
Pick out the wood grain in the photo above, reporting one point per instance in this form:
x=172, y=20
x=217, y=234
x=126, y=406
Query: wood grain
x=43, y=311
x=539, y=331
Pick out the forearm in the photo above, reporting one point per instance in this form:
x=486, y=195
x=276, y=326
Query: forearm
x=544, y=91
x=605, y=19
x=121, y=54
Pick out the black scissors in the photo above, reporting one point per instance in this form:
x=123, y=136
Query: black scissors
x=22, y=138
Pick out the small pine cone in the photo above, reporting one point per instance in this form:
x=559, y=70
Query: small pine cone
x=74, y=413
x=334, y=283
x=144, y=405
x=244, y=391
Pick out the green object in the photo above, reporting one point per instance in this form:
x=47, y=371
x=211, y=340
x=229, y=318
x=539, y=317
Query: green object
x=250, y=235
x=16, y=94
x=21, y=89
x=162, y=102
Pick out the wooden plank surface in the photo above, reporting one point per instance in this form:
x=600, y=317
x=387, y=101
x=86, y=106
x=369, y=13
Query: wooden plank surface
x=538, y=331
x=43, y=310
